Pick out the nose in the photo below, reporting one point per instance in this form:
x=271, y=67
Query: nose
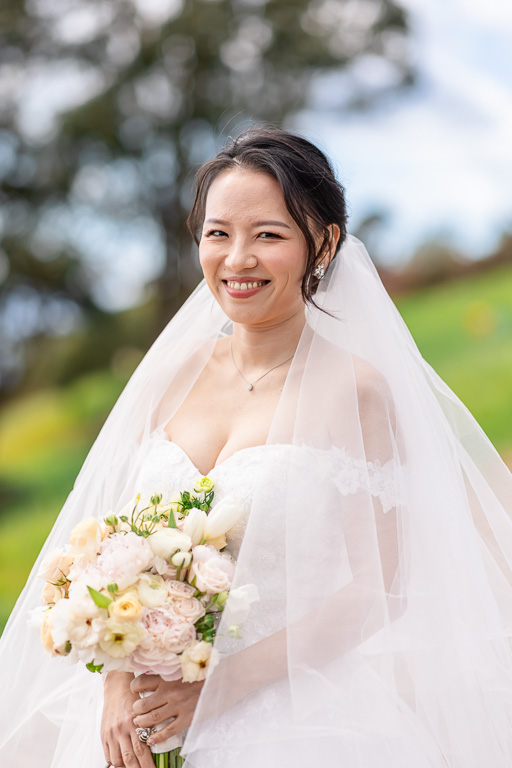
x=239, y=255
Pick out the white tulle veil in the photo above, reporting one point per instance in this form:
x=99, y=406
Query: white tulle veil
x=384, y=563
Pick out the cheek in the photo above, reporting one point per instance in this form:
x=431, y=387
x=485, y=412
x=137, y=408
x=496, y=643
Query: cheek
x=208, y=261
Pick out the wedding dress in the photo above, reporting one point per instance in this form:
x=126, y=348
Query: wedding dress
x=378, y=533
x=382, y=735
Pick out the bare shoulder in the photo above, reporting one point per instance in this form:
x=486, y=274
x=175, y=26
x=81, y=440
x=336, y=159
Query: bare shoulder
x=371, y=384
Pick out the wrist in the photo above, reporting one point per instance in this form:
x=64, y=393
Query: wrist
x=116, y=679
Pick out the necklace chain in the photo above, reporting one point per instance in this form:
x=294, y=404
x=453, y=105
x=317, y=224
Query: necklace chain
x=250, y=385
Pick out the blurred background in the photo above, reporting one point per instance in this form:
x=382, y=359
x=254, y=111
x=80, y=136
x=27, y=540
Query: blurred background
x=107, y=107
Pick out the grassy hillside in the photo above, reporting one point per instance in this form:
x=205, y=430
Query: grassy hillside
x=463, y=329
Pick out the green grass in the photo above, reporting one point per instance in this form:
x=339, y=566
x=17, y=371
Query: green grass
x=463, y=329
x=44, y=439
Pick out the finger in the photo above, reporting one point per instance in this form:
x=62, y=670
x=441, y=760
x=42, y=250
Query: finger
x=106, y=752
x=142, y=752
x=145, y=705
x=115, y=749
x=129, y=751
x=155, y=717
x=144, y=683
x=172, y=729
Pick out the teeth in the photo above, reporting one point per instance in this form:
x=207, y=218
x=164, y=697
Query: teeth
x=244, y=286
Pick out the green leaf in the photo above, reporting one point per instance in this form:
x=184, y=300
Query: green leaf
x=93, y=668
x=172, y=520
x=102, y=601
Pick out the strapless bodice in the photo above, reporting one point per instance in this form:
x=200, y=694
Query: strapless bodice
x=260, y=470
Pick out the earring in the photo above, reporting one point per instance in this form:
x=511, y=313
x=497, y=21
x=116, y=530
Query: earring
x=319, y=271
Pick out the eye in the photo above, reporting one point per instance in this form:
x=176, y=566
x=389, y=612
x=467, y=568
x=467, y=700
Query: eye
x=215, y=233
x=270, y=235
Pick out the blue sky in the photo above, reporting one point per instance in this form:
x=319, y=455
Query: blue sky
x=438, y=158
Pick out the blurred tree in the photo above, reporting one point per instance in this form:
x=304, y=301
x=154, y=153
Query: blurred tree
x=107, y=105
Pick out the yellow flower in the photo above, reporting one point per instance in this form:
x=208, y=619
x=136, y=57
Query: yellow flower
x=125, y=608
x=204, y=484
x=197, y=660
x=120, y=638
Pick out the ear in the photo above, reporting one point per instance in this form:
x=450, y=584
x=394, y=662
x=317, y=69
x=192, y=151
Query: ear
x=330, y=249
x=333, y=241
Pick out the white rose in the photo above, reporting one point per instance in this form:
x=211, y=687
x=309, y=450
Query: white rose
x=55, y=565
x=194, y=525
x=152, y=590
x=166, y=541
x=222, y=517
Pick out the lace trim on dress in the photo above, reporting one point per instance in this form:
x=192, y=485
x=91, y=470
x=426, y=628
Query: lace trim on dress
x=351, y=475
x=378, y=479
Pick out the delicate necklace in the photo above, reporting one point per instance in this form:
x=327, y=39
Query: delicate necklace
x=250, y=386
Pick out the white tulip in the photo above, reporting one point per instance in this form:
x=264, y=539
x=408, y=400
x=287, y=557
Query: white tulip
x=222, y=517
x=181, y=559
x=194, y=525
x=166, y=541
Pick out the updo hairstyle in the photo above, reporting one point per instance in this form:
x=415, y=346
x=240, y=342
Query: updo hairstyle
x=313, y=196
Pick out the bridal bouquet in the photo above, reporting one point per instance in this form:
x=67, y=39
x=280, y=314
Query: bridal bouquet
x=143, y=591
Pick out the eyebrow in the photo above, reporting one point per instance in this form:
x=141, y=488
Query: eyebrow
x=270, y=223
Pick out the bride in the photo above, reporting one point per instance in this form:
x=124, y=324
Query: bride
x=377, y=524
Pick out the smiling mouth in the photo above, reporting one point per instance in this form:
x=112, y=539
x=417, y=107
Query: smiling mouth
x=246, y=285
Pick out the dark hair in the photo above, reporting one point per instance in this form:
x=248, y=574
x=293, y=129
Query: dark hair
x=313, y=196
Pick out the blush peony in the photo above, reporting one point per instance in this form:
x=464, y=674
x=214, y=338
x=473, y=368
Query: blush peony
x=123, y=558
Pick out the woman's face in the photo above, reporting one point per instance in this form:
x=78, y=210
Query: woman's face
x=252, y=252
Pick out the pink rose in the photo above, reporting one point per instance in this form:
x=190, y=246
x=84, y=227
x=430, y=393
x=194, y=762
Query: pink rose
x=168, y=667
x=213, y=572
x=179, y=589
x=190, y=608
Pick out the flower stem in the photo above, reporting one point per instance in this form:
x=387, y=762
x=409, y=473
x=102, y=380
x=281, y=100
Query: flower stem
x=170, y=759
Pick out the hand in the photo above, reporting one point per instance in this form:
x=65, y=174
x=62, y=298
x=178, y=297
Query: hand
x=121, y=744
x=175, y=699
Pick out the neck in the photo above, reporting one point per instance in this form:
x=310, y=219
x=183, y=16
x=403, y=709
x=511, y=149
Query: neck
x=257, y=348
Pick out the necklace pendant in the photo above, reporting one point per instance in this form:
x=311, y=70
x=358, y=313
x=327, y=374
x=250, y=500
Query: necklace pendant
x=250, y=387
